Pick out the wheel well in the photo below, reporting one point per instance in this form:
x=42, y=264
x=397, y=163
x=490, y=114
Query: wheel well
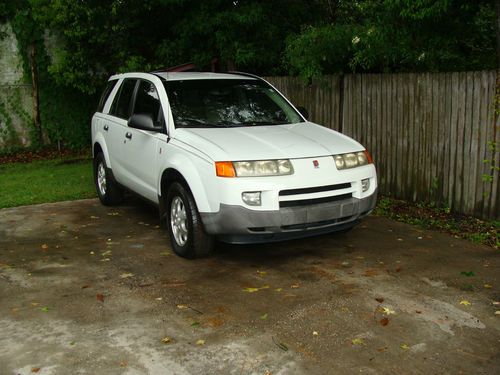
x=168, y=177
x=97, y=148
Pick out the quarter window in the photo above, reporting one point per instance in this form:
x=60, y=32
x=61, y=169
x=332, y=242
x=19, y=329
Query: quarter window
x=105, y=94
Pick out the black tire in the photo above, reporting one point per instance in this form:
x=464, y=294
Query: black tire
x=190, y=239
x=108, y=191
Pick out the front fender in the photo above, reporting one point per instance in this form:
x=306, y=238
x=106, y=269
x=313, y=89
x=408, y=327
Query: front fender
x=198, y=174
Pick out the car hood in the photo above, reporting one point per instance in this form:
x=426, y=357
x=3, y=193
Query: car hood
x=290, y=141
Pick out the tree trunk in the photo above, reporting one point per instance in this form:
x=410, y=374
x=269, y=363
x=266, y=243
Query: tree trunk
x=498, y=33
x=34, y=94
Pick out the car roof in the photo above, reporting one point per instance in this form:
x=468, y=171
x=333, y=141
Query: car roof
x=178, y=76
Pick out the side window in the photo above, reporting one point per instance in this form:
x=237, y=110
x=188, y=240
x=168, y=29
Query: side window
x=123, y=100
x=105, y=94
x=147, y=101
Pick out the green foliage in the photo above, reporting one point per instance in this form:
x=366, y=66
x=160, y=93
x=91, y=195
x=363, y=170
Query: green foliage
x=397, y=36
x=65, y=111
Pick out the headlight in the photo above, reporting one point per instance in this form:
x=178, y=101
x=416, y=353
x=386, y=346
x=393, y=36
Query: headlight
x=352, y=160
x=253, y=168
x=263, y=168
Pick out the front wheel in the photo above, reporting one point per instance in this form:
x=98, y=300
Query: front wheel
x=187, y=235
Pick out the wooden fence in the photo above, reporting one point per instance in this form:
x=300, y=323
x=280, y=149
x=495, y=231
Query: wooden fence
x=434, y=136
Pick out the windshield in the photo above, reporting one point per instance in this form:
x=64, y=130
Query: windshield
x=227, y=103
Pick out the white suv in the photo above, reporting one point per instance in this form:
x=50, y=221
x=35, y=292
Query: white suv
x=226, y=156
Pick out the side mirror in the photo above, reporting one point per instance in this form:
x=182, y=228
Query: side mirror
x=303, y=112
x=143, y=122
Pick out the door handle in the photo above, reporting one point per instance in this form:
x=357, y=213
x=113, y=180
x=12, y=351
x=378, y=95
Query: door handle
x=106, y=127
x=128, y=135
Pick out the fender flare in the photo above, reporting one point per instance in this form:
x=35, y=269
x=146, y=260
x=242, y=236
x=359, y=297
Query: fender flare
x=99, y=139
x=185, y=167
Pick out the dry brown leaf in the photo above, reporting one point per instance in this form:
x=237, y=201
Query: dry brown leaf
x=384, y=321
x=100, y=297
x=379, y=300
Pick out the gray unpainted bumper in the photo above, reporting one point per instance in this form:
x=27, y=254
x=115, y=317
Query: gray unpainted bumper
x=237, y=224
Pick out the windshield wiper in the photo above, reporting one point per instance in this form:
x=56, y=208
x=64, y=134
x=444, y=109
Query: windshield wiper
x=260, y=123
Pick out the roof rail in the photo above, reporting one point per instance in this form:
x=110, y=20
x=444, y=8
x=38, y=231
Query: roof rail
x=245, y=74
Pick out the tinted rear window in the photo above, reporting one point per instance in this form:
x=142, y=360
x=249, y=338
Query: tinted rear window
x=121, y=106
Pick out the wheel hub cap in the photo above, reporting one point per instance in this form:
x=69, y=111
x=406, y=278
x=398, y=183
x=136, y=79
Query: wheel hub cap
x=101, y=179
x=178, y=221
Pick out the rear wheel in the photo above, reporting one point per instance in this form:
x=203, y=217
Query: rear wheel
x=108, y=191
x=187, y=235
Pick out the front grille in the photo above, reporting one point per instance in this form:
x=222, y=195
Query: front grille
x=309, y=202
x=317, y=189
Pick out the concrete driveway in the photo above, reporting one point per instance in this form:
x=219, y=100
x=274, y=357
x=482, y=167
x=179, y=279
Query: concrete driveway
x=87, y=289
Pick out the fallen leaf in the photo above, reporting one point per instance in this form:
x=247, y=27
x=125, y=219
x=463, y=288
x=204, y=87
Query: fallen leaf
x=382, y=349
x=358, y=341
x=126, y=275
x=497, y=312
x=315, y=333
x=488, y=286
x=44, y=246
x=251, y=290
x=44, y=309
x=166, y=340
x=85, y=286
x=123, y=363
x=278, y=289
x=387, y=311
x=398, y=269
x=467, y=273
x=295, y=286
x=34, y=303
x=195, y=324
x=91, y=253
x=384, y=321
x=404, y=347
x=418, y=311
x=99, y=297
x=106, y=253
x=379, y=300
x=105, y=260
x=200, y=342
x=465, y=302
x=264, y=317
x=182, y=306
x=158, y=298
x=280, y=345
x=35, y=369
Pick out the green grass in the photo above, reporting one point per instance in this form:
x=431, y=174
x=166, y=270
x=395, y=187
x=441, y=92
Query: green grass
x=45, y=181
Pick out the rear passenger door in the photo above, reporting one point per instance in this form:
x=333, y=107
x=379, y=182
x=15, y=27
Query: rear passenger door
x=141, y=148
x=117, y=128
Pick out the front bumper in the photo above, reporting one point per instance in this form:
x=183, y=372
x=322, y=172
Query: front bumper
x=237, y=224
